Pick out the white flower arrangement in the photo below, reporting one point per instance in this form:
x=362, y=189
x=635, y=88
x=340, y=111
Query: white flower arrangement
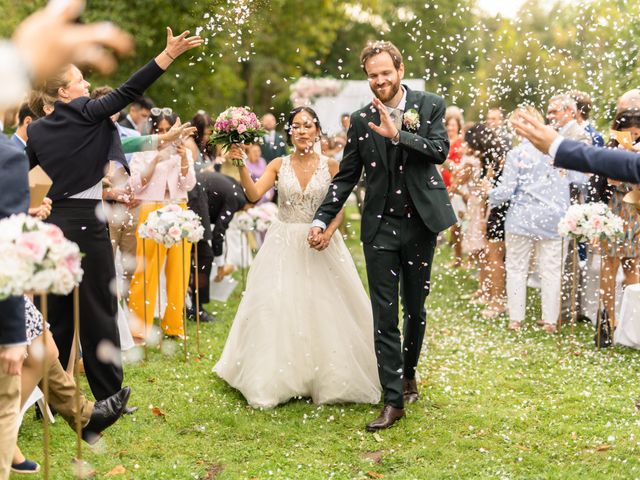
x=591, y=222
x=171, y=224
x=411, y=120
x=35, y=257
x=258, y=218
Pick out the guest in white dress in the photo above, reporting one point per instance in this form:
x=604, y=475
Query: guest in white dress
x=304, y=326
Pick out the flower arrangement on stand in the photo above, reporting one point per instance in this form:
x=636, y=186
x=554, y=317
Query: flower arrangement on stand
x=235, y=126
x=306, y=90
x=36, y=257
x=588, y=223
x=169, y=226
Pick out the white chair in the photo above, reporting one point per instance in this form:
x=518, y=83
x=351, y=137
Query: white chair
x=628, y=331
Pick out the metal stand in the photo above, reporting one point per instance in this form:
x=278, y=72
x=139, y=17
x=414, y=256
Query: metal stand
x=45, y=388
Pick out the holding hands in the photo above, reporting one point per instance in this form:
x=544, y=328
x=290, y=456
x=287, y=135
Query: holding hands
x=319, y=239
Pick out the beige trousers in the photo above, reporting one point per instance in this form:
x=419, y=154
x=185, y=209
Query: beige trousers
x=9, y=410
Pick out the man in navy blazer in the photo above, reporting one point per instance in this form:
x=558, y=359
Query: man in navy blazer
x=14, y=198
x=616, y=164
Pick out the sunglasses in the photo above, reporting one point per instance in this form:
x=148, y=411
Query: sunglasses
x=155, y=111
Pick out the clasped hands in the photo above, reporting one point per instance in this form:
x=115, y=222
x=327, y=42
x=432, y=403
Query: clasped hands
x=318, y=239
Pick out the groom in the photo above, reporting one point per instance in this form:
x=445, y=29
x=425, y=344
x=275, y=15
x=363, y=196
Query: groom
x=398, y=139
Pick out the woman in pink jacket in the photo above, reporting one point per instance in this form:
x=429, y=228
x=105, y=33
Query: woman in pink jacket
x=158, y=178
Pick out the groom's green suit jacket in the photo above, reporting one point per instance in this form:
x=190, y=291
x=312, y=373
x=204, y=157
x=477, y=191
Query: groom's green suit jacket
x=421, y=151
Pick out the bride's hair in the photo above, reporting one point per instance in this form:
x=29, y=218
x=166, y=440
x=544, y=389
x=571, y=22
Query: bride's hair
x=293, y=114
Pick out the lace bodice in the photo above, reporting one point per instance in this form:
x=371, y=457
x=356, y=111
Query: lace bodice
x=294, y=204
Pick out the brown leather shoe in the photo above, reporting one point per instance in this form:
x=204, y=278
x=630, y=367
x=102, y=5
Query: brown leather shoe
x=410, y=390
x=388, y=416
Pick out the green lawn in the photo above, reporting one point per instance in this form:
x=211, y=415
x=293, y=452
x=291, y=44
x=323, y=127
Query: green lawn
x=494, y=404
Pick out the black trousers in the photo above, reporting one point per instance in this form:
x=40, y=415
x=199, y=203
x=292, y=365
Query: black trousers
x=399, y=263
x=98, y=303
x=205, y=265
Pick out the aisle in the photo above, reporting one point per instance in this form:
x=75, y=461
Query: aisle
x=495, y=404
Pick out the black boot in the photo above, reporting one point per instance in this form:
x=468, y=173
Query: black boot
x=105, y=413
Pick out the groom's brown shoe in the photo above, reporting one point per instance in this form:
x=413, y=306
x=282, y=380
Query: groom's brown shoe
x=410, y=390
x=387, y=418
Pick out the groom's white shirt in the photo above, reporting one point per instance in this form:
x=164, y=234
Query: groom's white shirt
x=399, y=109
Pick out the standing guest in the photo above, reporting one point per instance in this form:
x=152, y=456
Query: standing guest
x=256, y=166
x=74, y=145
x=628, y=100
x=590, y=274
x=453, y=123
x=539, y=196
x=25, y=117
x=584, y=105
x=274, y=144
x=158, y=178
x=624, y=251
x=205, y=153
x=224, y=197
x=138, y=116
x=123, y=211
x=495, y=121
x=474, y=238
x=14, y=198
x=488, y=146
x=345, y=121
x=562, y=115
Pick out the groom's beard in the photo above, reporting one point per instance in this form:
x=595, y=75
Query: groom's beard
x=391, y=92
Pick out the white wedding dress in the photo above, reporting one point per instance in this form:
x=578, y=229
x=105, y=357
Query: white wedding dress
x=304, y=326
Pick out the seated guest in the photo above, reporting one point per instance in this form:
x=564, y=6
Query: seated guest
x=157, y=179
x=539, y=196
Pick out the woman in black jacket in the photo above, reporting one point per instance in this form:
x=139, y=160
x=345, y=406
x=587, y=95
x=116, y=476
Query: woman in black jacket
x=73, y=144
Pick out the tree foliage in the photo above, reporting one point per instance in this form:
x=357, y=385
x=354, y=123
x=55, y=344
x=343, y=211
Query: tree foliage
x=474, y=60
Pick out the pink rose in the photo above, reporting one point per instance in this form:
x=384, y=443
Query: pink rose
x=175, y=232
x=53, y=233
x=32, y=245
x=242, y=128
x=571, y=224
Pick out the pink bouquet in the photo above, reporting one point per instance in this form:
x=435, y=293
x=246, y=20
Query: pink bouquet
x=237, y=125
x=170, y=225
x=36, y=257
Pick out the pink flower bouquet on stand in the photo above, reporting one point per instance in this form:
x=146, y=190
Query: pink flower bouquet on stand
x=235, y=126
x=170, y=225
x=590, y=222
x=35, y=257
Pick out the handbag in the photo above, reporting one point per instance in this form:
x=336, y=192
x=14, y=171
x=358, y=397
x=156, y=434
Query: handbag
x=604, y=334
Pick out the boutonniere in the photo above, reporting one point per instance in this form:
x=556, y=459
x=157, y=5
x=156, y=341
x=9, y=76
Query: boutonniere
x=411, y=120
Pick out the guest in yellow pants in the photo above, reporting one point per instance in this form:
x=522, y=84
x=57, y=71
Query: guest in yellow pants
x=158, y=178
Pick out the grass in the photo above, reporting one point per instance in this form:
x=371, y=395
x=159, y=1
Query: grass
x=495, y=404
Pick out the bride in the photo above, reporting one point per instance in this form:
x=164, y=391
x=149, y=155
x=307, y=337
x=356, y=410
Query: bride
x=304, y=325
